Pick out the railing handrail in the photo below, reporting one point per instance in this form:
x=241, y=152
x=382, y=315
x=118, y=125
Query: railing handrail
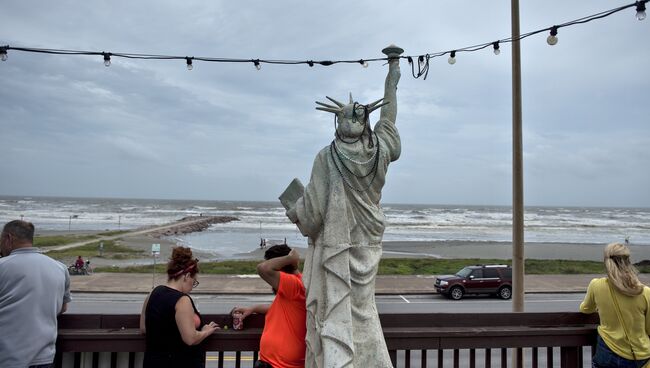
x=409, y=332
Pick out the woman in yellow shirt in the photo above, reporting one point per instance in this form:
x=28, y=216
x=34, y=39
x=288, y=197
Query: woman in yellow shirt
x=620, y=297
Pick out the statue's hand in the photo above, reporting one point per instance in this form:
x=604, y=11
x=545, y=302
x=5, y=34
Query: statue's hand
x=292, y=214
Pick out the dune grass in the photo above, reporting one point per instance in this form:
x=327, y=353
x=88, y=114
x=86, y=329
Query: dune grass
x=405, y=266
x=44, y=241
x=111, y=250
x=55, y=240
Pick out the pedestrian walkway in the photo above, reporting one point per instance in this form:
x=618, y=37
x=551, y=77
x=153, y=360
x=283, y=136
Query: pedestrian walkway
x=252, y=284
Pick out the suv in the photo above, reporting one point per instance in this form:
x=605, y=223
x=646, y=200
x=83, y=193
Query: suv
x=479, y=279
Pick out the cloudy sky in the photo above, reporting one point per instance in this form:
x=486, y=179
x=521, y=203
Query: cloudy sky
x=153, y=129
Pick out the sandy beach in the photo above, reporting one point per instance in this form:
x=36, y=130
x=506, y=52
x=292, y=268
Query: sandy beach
x=392, y=249
x=502, y=250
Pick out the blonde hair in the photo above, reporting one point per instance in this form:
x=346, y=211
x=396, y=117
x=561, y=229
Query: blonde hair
x=620, y=271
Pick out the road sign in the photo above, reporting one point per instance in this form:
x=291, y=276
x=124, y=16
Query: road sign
x=155, y=249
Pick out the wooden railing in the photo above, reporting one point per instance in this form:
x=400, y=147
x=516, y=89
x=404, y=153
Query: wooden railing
x=414, y=340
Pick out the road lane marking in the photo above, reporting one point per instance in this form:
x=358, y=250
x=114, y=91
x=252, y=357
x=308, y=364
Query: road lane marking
x=406, y=300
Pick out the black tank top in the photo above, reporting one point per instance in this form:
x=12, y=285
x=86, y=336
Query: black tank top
x=165, y=347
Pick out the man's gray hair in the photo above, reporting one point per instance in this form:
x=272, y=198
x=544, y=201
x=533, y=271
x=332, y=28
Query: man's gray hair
x=22, y=230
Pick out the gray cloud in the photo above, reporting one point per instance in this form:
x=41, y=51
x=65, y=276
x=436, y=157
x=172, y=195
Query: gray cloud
x=226, y=131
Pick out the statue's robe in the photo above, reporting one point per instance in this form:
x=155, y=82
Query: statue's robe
x=345, y=229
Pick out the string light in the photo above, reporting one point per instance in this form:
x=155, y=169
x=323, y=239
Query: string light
x=552, y=38
x=107, y=59
x=452, y=58
x=640, y=10
x=423, y=60
x=495, y=45
x=188, y=60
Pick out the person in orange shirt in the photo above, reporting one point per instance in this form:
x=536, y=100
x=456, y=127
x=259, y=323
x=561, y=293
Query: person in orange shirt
x=283, y=339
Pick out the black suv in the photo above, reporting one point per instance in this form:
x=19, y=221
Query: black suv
x=479, y=279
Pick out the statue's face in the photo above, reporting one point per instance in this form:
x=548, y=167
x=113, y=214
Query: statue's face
x=351, y=121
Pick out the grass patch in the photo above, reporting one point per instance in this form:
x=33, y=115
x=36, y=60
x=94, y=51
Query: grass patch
x=112, y=250
x=429, y=266
x=407, y=266
x=562, y=266
x=212, y=268
x=644, y=269
x=54, y=240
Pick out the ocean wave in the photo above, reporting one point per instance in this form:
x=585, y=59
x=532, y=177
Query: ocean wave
x=405, y=222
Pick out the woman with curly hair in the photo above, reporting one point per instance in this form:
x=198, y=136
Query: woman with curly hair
x=623, y=305
x=172, y=324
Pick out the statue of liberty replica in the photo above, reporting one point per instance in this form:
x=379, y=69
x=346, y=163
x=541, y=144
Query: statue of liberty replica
x=339, y=212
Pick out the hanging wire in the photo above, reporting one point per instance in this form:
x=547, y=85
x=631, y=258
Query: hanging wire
x=423, y=60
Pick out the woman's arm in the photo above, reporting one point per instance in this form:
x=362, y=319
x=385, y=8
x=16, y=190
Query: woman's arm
x=185, y=323
x=646, y=291
x=269, y=270
x=143, y=329
x=588, y=305
x=247, y=311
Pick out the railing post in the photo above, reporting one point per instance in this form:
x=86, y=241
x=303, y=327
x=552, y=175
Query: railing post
x=570, y=356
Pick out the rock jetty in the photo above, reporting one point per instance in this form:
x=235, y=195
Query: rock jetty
x=191, y=224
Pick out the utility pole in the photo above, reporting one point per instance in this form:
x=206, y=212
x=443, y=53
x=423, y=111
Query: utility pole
x=517, y=170
x=517, y=178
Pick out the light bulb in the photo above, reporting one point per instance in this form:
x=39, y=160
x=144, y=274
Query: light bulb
x=257, y=64
x=3, y=55
x=188, y=60
x=552, y=38
x=452, y=58
x=364, y=64
x=640, y=10
x=107, y=59
x=496, y=48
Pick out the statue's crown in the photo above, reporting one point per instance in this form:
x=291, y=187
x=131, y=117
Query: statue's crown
x=350, y=109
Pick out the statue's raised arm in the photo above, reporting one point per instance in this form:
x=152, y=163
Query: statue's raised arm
x=389, y=111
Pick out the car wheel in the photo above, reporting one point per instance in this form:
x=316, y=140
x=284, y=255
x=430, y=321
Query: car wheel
x=505, y=292
x=456, y=293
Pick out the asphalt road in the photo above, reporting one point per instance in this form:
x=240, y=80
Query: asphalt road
x=101, y=303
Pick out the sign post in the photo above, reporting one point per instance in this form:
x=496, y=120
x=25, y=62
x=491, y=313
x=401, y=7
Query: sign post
x=155, y=252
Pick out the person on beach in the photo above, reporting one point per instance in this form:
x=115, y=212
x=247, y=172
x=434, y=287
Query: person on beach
x=623, y=305
x=170, y=321
x=283, y=340
x=79, y=263
x=34, y=290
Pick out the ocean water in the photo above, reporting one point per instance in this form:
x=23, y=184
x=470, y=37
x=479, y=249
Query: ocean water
x=406, y=222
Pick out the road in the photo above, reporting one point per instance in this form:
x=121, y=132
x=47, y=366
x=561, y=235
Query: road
x=90, y=303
